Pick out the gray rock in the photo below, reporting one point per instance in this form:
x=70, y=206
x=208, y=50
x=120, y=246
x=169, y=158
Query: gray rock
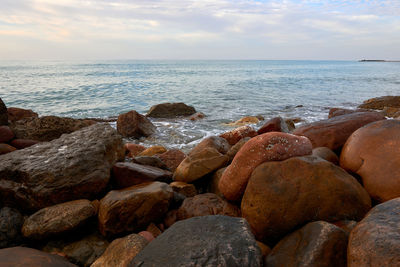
x=170, y=110
x=203, y=241
x=75, y=166
x=10, y=227
x=3, y=113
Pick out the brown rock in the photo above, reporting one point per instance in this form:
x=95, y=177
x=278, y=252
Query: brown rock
x=57, y=219
x=276, y=124
x=134, y=149
x=346, y=225
x=213, y=185
x=372, y=153
x=381, y=102
x=16, y=114
x=152, y=161
x=197, y=116
x=23, y=143
x=334, y=112
x=151, y=151
x=188, y=190
x=21, y=256
x=266, y=147
x=126, y=174
x=146, y=234
x=239, y=133
x=218, y=143
x=154, y=230
x=375, y=241
x=133, y=124
x=170, y=110
x=245, y=121
x=5, y=134
x=265, y=250
x=235, y=148
x=121, y=251
x=291, y=124
x=283, y=195
x=6, y=148
x=333, y=132
x=172, y=158
x=391, y=112
x=316, y=244
x=326, y=154
x=133, y=208
x=206, y=204
x=170, y=218
x=3, y=113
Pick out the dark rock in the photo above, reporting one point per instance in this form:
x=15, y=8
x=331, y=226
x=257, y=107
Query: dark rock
x=23, y=143
x=10, y=227
x=133, y=124
x=172, y=158
x=170, y=110
x=75, y=166
x=5, y=134
x=16, y=114
x=203, y=241
x=3, y=113
x=276, y=124
x=316, y=244
x=381, y=102
x=152, y=161
x=6, y=148
x=214, y=182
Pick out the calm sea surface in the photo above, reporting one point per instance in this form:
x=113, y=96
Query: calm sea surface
x=223, y=90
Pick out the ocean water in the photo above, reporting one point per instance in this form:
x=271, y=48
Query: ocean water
x=223, y=90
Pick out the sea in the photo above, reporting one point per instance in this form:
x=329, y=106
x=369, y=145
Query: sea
x=224, y=91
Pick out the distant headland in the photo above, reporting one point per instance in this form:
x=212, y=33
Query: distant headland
x=377, y=60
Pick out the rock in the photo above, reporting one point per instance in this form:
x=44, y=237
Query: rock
x=291, y=124
x=334, y=112
x=133, y=124
x=172, y=158
x=218, y=143
x=23, y=143
x=21, y=256
x=276, y=124
x=391, y=112
x=316, y=244
x=244, y=121
x=149, y=236
x=58, y=219
x=266, y=147
x=5, y=134
x=206, y=204
x=197, y=116
x=133, y=149
x=126, y=174
x=133, y=208
x=205, y=241
x=188, y=190
x=121, y=251
x=3, y=113
x=213, y=184
x=75, y=166
x=283, y=195
x=170, y=110
x=333, y=132
x=16, y=114
x=152, y=161
x=154, y=230
x=170, y=218
x=237, y=134
x=326, y=154
x=265, y=250
x=10, y=227
x=152, y=151
x=381, y=102
x=375, y=241
x=371, y=153
x=346, y=225
x=235, y=148
x=6, y=148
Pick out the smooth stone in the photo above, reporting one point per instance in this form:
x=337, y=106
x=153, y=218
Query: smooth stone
x=16, y=114
x=381, y=102
x=6, y=148
x=237, y=134
x=326, y=154
x=23, y=143
x=133, y=124
x=172, y=158
x=21, y=256
x=5, y=134
x=11, y=222
x=276, y=124
x=170, y=110
x=188, y=190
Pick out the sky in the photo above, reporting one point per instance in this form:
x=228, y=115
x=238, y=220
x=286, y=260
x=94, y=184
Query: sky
x=199, y=29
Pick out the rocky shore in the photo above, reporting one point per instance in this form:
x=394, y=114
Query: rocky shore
x=74, y=192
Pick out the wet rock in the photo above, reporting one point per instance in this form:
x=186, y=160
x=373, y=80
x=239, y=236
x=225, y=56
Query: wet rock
x=316, y=244
x=47, y=128
x=170, y=110
x=333, y=132
x=152, y=161
x=276, y=124
x=133, y=208
x=206, y=241
x=16, y=114
x=23, y=143
x=326, y=154
x=188, y=190
x=152, y=151
x=75, y=166
x=235, y=148
x=197, y=116
x=381, y=102
x=10, y=227
x=283, y=195
x=6, y=148
x=121, y=251
x=133, y=149
x=126, y=174
x=5, y=134
x=237, y=134
x=133, y=124
x=3, y=113
x=266, y=147
x=58, y=219
x=375, y=241
x=21, y=256
x=206, y=204
x=172, y=158
x=371, y=153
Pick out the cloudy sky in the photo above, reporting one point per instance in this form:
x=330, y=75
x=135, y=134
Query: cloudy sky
x=199, y=29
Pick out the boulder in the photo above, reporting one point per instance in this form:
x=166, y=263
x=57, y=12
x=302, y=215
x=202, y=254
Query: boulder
x=16, y=114
x=126, y=174
x=152, y=161
x=266, y=147
x=121, y=251
x=6, y=148
x=326, y=154
x=391, y=112
x=172, y=158
x=3, y=113
x=75, y=166
x=333, y=132
x=381, y=102
x=188, y=190
x=21, y=256
x=316, y=244
x=245, y=121
x=372, y=153
x=197, y=116
x=235, y=148
x=346, y=225
x=152, y=151
x=133, y=124
x=5, y=134
x=237, y=134
x=170, y=110
x=334, y=112
x=58, y=219
x=23, y=143
x=375, y=241
x=206, y=204
x=283, y=195
x=133, y=208
x=213, y=184
x=154, y=230
x=276, y=124
x=203, y=241
x=11, y=222
x=218, y=143
x=133, y=149
x=265, y=250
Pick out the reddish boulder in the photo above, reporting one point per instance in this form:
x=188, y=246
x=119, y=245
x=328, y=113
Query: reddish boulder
x=151, y=151
x=333, y=132
x=5, y=134
x=375, y=241
x=372, y=152
x=283, y=195
x=134, y=149
x=239, y=133
x=16, y=114
x=6, y=148
x=334, y=112
x=3, y=113
x=21, y=256
x=170, y=110
x=381, y=102
x=276, y=124
x=172, y=158
x=266, y=147
x=133, y=124
x=326, y=154
x=316, y=244
x=23, y=143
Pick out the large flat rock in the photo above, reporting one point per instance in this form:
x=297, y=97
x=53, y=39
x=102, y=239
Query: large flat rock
x=75, y=166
